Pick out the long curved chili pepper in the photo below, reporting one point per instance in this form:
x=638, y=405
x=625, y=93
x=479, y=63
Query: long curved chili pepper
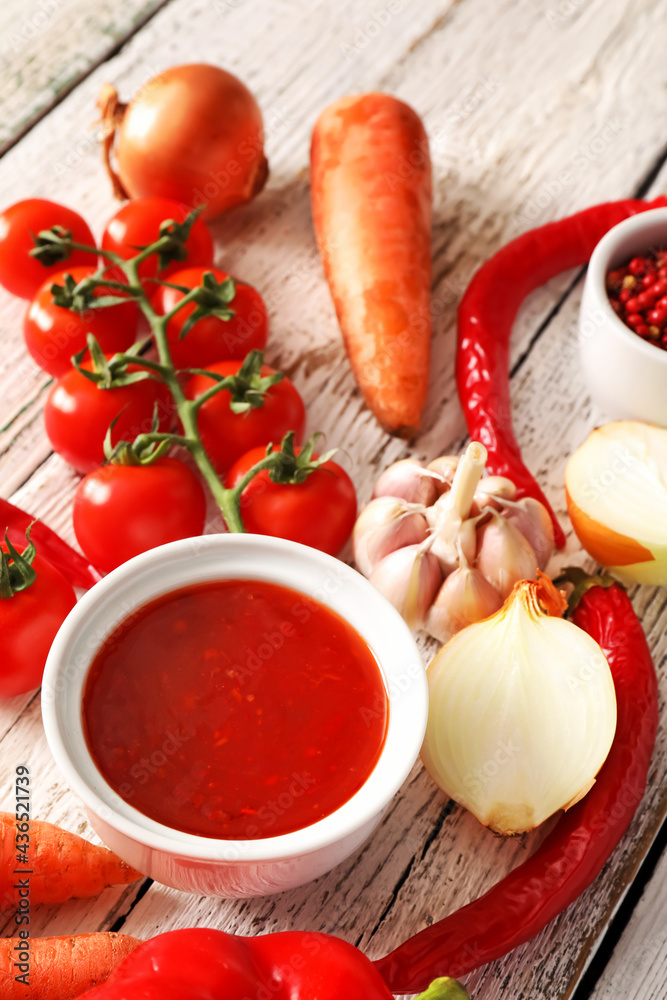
x=487, y=312
x=574, y=852
x=50, y=545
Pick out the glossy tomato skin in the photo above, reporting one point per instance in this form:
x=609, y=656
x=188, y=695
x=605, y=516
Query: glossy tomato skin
x=227, y=435
x=77, y=415
x=319, y=512
x=211, y=339
x=28, y=623
x=137, y=224
x=53, y=334
x=21, y=274
x=122, y=510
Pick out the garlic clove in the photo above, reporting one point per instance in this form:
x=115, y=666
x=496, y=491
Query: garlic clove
x=465, y=597
x=522, y=713
x=504, y=556
x=409, y=578
x=498, y=486
x=408, y=480
x=445, y=467
x=534, y=522
x=384, y=525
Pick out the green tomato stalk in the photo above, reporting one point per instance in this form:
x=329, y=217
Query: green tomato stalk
x=247, y=388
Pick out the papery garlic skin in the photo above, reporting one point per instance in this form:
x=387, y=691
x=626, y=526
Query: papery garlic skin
x=504, y=555
x=408, y=480
x=410, y=579
x=384, y=525
x=465, y=597
x=534, y=522
x=522, y=715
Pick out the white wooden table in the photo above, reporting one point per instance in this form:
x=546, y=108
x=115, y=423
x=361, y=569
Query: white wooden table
x=534, y=110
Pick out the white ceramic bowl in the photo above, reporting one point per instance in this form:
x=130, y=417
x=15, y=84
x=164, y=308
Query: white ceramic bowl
x=226, y=867
x=626, y=376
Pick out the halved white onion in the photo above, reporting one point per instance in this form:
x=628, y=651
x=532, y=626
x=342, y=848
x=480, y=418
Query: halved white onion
x=616, y=491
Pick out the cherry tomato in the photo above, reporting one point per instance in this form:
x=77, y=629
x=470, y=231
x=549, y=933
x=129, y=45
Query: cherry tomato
x=193, y=133
x=137, y=224
x=212, y=339
x=319, y=512
x=122, y=510
x=77, y=415
x=53, y=334
x=28, y=623
x=227, y=435
x=21, y=274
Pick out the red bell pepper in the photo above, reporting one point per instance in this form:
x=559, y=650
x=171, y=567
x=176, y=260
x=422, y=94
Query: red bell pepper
x=206, y=964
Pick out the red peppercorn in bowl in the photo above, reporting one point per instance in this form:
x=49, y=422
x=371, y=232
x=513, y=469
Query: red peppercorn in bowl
x=623, y=320
x=145, y=744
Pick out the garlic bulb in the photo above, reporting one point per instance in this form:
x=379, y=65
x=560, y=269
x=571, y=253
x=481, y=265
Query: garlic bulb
x=465, y=597
x=409, y=480
x=522, y=712
x=504, y=556
x=384, y=525
x=409, y=578
x=462, y=525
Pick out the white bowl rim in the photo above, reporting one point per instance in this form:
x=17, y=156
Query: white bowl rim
x=599, y=264
x=366, y=804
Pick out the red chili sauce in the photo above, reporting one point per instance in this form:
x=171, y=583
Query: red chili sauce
x=235, y=709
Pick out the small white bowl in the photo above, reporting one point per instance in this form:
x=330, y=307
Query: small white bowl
x=227, y=867
x=626, y=376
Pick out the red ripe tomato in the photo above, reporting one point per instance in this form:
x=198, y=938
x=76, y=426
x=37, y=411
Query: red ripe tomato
x=77, y=415
x=137, y=224
x=53, y=334
x=122, y=510
x=319, y=512
x=21, y=274
x=28, y=623
x=212, y=339
x=227, y=435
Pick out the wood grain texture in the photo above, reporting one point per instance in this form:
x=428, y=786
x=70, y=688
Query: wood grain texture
x=48, y=45
x=532, y=113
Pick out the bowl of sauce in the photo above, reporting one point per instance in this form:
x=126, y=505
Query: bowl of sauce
x=235, y=711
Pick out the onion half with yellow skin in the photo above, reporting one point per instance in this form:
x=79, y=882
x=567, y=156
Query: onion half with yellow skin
x=616, y=491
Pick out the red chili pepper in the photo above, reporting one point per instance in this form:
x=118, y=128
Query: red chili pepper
x=487, y=312
x=51, y=547
x=205, y=964
x=572, y=855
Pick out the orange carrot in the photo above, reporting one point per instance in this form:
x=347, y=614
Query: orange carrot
x=56, y=866
x=371, y=198
x=59, y=968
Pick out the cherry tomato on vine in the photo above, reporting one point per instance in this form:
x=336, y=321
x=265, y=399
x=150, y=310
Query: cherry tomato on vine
x=54, y=333
x=137, y=224
x=29, y=621
x=77, y=415
x=22, y=274
x=227, y=435
x=212, y=339
x=122, y=510
x=319, y=512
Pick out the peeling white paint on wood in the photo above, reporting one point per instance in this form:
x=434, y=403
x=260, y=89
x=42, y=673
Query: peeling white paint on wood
x=533, y=111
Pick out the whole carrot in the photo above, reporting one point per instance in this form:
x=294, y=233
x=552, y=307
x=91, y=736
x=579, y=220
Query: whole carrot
x=46, y=864
x=59, y=968
x=371, y=198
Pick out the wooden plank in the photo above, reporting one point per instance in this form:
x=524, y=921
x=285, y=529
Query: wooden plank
x=502, y=142
x=637, y=969
x=49, y=45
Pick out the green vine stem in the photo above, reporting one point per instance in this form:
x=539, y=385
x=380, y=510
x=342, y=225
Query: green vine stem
x=52, y=244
